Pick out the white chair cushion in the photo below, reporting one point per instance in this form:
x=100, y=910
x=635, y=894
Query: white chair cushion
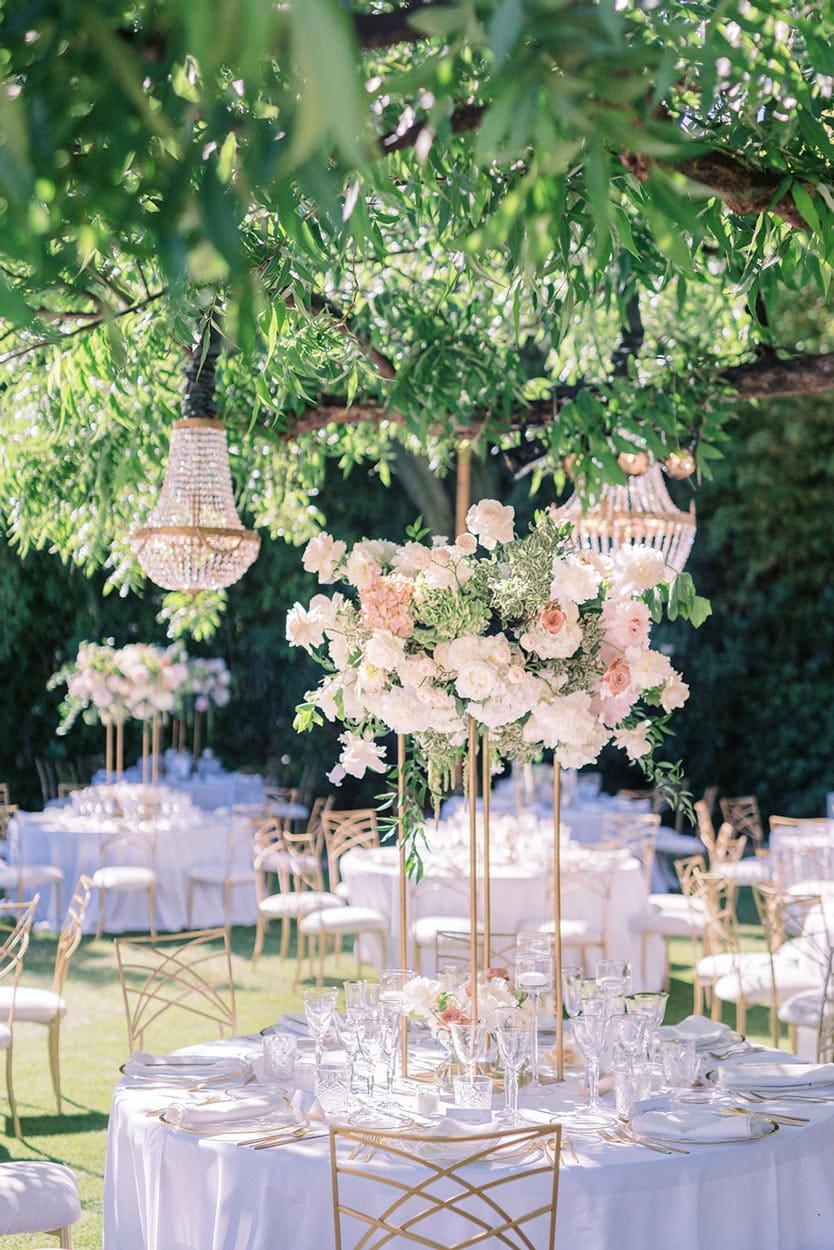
x=279, y=906
x=29, y=875
x=342, y=890
x=124, y=877
x=745, y=871
x=424, y=930
x=670, y=842
x=344, y=920
x=575, y=932
x=803, y=1009
x=37, y=1197
x=5, y=1037
x=34, y=1005
x=669, y=915
x=754, y=982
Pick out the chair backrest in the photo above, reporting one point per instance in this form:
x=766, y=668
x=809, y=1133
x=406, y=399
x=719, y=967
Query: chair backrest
x=48, y=779
x=743, y=814
x=414, y=1193
x=345, y=830
x=315, y=823
x=134, y=845
x=71, y=930
x=292, y=858
x=15, y=931
x=715, y=897
x=799, y=825
x=722, y=847
x=189, y=972
x=5, y=798
x=453, y=947
x=633, y=832
x=798, y=861
x=688, y=869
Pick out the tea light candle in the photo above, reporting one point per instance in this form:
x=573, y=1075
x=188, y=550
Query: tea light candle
x=427, y=1101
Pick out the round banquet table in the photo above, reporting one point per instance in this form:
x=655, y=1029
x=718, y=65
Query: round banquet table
x=170, y=1189
x=607, y=889
x=71, y=841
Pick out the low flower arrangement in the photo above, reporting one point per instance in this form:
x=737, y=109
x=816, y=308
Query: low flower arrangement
x=430, y=1002
x=545, y=646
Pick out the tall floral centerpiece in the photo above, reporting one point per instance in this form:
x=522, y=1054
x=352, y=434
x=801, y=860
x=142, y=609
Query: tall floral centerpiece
x=519, y=644
x=114, y=685
x=207, y=686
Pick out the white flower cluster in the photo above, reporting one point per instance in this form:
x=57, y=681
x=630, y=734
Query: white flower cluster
x=427, y=1000
x=430, y=636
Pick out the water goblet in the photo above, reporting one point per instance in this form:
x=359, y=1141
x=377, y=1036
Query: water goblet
x=469, y=1041
x=331, y=1086
x=514, y=1033
x=534, y=977
x=348, y=1035
x=680, y=1062
x=369, y=1029
x=590, y=1028
x=359, y=995
x=279, y=1052
x=392, y=983
x=613, y=976
x=319, y=1005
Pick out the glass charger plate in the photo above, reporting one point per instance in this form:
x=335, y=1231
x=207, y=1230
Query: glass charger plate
x=266, y=1120
x=180, y=1077
x=758, y=1130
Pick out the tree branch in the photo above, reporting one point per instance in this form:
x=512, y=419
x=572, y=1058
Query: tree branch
x=91, y=324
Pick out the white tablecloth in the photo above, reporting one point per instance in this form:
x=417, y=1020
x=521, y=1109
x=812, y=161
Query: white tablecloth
x=599, y=887
x=71, y=842
x=207, y=791
x=166, y=1189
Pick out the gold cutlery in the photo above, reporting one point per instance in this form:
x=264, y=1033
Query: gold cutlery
x=626, y=1137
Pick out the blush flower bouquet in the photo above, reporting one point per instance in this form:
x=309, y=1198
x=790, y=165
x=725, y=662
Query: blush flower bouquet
x=114, y=685
x=545, y=646
x=437, y=1005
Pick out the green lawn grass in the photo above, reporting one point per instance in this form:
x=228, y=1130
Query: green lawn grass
x=94, y=1044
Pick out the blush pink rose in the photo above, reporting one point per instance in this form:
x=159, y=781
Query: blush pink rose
x=551, y=617
x=617, y=678
x=384, y=604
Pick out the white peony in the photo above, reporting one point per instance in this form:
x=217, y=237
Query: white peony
x=361, y=753
x=476, y=680
x=574, y=581
x=638, y=568
x=674, y=694
x=649, y=668
x=492, y=522
x=635, y=742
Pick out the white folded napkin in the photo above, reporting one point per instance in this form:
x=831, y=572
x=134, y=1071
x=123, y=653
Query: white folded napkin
x=226, y=1112
x=183, y=1068
x=698, y=1029
x=176, y=1059
x=695, y=1124
x=756, y=1073
x=453, y=1139
x=294, y=1022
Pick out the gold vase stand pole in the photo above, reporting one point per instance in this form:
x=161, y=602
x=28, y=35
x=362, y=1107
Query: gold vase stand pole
x=403, y=886
x=108, y=751
x=196, y=750
x=486, y=781
x=120, y=749
x=155, y=745
x=472, y=784
x=557, y=919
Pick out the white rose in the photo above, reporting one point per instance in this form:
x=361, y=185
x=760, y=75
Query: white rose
x=475, y=680
x=491, y=521
x=466, y=544
x=638, y=568
x=384, y=650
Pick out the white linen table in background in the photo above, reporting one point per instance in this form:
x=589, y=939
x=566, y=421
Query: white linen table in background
x=601, y=888
x=71, y=842
x=166, y=1189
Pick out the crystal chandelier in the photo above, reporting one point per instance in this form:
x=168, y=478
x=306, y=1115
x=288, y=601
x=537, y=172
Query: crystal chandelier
x=641, y=513
x=193, y=539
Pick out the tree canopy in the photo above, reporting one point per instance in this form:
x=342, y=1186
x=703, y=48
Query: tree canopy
x=544, y=227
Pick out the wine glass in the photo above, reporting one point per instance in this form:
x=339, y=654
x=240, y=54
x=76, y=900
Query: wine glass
x=359, y=995
x=319, y=1005
x=572, y=978
x=469, y=1041
x=369, y=1030
x=590, y=1028
x=534, y=977
x=348, y=1034
x=392, y=983
x=514, y=1033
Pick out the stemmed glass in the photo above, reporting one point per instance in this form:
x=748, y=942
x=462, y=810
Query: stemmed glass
x=534, y=977
x=613, y=976
x=392, y=983
x=370, y=1030
x=469, y=1041
x=514, y=1034
x=360, y=995
x=590, y=1028
x=319, y=1005
x=347, y=1032
x=572, y=978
